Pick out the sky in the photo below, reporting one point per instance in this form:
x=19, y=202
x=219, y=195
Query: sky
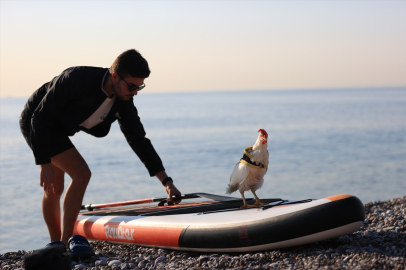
x=208, y=45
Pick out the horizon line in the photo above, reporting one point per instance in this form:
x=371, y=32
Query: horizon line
x=255, y=90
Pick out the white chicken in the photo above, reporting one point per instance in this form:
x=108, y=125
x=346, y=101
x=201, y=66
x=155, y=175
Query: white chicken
x=248, y=173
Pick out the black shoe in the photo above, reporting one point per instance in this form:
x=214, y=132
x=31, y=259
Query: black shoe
x=79, y=247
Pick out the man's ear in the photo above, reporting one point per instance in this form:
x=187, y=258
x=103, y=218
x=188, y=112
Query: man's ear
x=114, y=77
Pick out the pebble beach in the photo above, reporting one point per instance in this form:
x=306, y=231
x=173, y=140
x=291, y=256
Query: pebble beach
x=379, y=244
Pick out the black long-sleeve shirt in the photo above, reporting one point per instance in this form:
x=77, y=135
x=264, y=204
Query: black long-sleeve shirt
x=68, y=100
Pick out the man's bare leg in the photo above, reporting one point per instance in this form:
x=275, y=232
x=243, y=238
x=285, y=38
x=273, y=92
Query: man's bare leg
x=76, y=167
x=51, y=206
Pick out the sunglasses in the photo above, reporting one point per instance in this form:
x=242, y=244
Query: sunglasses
x=133, y=87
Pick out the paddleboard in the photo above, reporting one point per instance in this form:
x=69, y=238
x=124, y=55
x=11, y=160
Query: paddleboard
x=218, y=224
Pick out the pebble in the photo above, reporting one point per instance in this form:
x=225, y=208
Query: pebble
x=160, y=260
x=114, y=262
x=100, y=263
x=379, y=244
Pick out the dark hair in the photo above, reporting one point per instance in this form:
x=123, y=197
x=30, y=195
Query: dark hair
x=131, y=63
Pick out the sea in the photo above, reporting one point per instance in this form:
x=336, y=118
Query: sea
x=321, y=143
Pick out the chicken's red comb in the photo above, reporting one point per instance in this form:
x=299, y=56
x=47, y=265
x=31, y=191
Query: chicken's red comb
x=263, y=132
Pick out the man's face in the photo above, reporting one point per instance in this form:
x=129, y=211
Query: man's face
x=122, y=85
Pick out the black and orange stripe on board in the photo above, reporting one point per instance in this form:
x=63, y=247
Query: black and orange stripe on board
x=129, y=233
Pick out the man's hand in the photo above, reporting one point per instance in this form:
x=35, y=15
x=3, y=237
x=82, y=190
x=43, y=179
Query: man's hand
x=169, y=187
x=172, y=191
x=47, y=178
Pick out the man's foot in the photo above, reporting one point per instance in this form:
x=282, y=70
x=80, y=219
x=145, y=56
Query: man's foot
x=79, y=247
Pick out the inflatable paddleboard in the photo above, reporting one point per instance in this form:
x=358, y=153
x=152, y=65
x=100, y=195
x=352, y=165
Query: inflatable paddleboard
x=219, y=225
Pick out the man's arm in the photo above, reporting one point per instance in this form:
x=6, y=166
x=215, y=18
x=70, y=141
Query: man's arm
x=133, y=130
x=59, y=92
x=52, y=98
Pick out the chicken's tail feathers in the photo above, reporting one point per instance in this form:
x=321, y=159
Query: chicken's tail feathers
x=231, y=188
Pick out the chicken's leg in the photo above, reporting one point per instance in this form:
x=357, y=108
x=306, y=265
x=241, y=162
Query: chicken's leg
x=245, y=202
x=257, y=201
x=246, y=205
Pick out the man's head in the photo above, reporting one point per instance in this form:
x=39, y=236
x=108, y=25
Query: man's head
x=131, y=63
x=128, y=72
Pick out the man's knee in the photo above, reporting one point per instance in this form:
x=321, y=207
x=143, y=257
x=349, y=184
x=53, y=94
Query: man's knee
x=54, y=195
x=58, y=190
x=87, y=174
x=83, y=177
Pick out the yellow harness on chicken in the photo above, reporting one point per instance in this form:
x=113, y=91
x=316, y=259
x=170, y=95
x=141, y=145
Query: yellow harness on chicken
x=246, y=159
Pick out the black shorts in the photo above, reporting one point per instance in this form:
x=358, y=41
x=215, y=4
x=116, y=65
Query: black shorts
x=60, y=142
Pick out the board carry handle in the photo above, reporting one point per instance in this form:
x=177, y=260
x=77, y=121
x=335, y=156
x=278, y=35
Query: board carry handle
x=161, y=200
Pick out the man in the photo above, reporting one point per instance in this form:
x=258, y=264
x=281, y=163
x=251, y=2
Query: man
x=85, y=99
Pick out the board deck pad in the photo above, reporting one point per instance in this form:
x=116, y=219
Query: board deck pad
x=186, y=208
